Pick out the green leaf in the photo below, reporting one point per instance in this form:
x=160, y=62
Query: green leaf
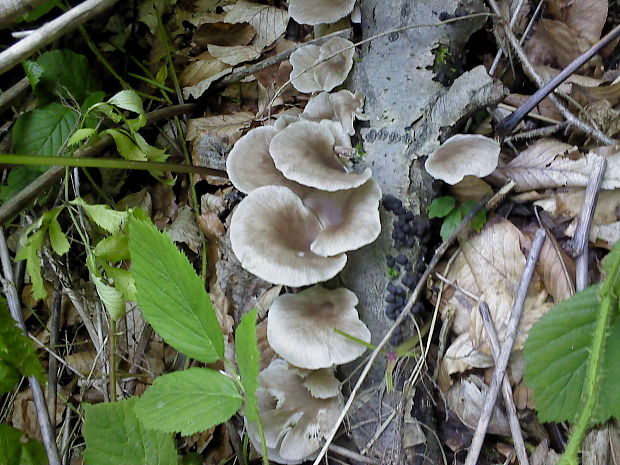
x=43, y=131
x=15, y=452
x=441, y=207
x=58, y=239
x=127, y=100
x=479, y=219
x=248, y=360
x=607, y=402
x=189, y=401
x=103, y=216
x=171, y=295
x=18, y=178
x=556, y=353
x=450, y=223
x=114, y=248
x=16, y=349
x=112, y=299
x=30, y=252
x=65, y=74
x=126, y=147
x=123, y=281
x=115, y=436
x=81, y=134
x=40, y=10
x=9, y=376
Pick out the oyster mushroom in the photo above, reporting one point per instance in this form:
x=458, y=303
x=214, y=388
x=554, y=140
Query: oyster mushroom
x=300, y=328
x=294, y=421
x=463, y=155
x=271, y=231
x=319, y=11
x=306, y=152
x=314, y=70
x=343, y=106
x=349, y=218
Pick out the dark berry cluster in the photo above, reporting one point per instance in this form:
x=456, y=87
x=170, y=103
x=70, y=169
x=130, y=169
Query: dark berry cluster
x=408, y=226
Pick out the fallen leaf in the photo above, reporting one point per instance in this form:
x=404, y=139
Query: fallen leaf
x=268, y=22
x=228, y=128
x=184, y=229
x=587, y=18
x=223, y=34
x=470, y=188
x=542, y=455
x=234, y=54
x=461, y=356
x=564, y=41
x=556, y=270
x=198, y=75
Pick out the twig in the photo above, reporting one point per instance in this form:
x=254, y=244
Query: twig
x=405, y=312
x=536, y=116
x=37, y=392
x=20, y=200
x=579, y=243
x=344, y=452
x=545, y=131
x=14, y=92
x=52, y=375
x=502, y=363
x=500, y=52
x=531, y=72
x=51, y=31
x=513, y=420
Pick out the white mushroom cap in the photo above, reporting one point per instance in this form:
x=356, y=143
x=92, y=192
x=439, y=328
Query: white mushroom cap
x=271, y=231
x=349, y=218
x=319, y=11
x=322, y=383
x=294, y=422
x=249, y=165
x=463, y=155
x=343, y=106
x=285, y=120
x=300, y=327
x=305, y=153
x=321, y=75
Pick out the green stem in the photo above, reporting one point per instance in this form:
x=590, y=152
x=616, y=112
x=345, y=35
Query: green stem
x=592, y=382
x=106, y=64
x=108, y=163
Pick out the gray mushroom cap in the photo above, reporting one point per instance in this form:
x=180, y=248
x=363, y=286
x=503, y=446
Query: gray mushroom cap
x=342, y=106
x=300, y=327
x=315, y=12
x=305, y=152
x=271, y=231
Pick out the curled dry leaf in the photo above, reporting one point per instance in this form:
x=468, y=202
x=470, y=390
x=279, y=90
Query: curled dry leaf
x=198, y=75
x=463, y=155
x=461, y=356
x=269, y=22
x=234, y=54
x=556, y=270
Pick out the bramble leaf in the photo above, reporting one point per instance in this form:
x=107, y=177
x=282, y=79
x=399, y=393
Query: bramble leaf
x=43, y=131
x=172, y=297
x=114, y=435
x=248, y=360
x=189, y=401
x=15, y=452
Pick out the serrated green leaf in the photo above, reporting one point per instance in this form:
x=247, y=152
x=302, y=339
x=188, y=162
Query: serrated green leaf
x=112, y=299
x=58, y=239
x=123, y=281
x=479, y=219
x=107, y=110
x=9, y=376
x=43, y=131
x=126, y=147
x=81, y=134
x=115, y=436
x=188, y=401
x=30, y=253
x=103, y=216
x=65, y=74
x=450, y=223
x=15, y=452
x=172, y=297
x=556, y=352
x=152, y=153
x=127, y=100
x=441, y=207
x=248, y=360
x=114, y=248
x=16, y=349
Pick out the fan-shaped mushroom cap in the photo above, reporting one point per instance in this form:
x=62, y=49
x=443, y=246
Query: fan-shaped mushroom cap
x=319, y=11
x=304, y=153
x=343, y=106
x=350, y=218
x=326, y=74
x=300, y=327
x=285, y=120
x=271, y=231
x=322, y=383
x=249, y=165
x=463, y=155
x=294, y=422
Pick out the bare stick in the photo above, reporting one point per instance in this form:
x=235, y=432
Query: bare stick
x=579, y=244
x=37, y=392
x=52, y=375
x=344, y=452
x=11, y=10
x=51, y=31
x=502, y=363
x=405, y=313
x=500, y=52
x=513, y=420
x=14, y=92
x=20, y=200
x=532, y=74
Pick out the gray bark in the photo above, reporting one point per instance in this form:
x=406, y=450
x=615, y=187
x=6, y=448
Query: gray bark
x=410, y=113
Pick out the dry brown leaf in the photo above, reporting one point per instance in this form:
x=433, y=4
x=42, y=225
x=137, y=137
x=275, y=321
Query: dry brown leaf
x=542, y=455
x=564, y=41
x=596, y=447
x=184, y=229
x=198, y=75
x=461, y=356
x=587, y=18
x=470, y=188
x=466, y=398
x=268, y=22
x=550, y=163
x=223, y=34
x=234, y=54
x=545, y=108
x=611, y=92
x=226, y=127
x=556, y=270
x=83, y=362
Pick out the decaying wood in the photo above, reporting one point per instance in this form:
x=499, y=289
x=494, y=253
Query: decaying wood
x=409, y=113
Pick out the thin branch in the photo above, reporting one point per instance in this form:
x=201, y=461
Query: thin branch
x=51, y=31
x=344, y=452
x=37, y=392
x=14, y=92
x=52, y=375
x=20, y=200
x=500, y=52
x=513, y=420
x=405, y=313
x=502, y=363
x=579, y=244
x=532, y=74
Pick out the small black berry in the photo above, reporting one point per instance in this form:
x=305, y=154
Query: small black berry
x=402, y=259
x=391, y=261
